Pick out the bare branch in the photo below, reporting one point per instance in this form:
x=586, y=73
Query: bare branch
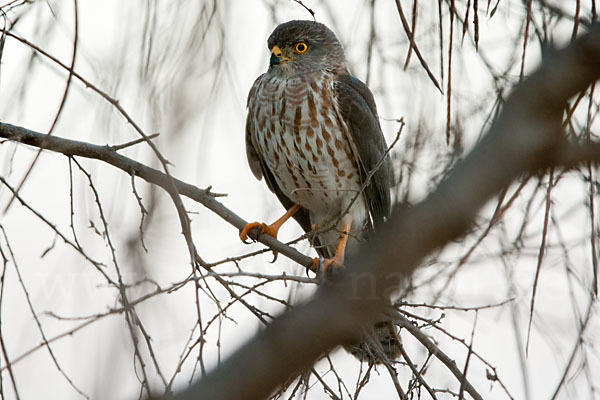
x=109, y=155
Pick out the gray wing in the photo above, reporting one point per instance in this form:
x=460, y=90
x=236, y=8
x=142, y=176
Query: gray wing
x=260, y=169
x=357, y=107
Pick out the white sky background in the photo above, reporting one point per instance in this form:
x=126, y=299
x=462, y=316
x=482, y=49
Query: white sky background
x=197, y=104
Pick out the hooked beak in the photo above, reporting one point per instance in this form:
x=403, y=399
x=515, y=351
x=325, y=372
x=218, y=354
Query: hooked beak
x=277, y=57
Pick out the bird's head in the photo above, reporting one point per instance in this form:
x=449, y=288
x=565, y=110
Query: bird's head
x=299, y=47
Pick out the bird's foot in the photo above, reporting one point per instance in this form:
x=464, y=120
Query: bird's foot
x=270, y=230
x=262, y=229
x=326, y=265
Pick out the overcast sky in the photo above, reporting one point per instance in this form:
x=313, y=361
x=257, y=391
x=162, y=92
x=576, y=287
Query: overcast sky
x=190, y=86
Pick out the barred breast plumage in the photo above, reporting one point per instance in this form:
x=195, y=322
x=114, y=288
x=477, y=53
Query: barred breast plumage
x=303, y=139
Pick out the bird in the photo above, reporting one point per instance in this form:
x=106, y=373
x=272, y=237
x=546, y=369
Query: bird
x=313, y=134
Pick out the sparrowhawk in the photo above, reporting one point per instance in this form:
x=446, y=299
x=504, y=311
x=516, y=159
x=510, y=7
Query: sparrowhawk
x=313, y=133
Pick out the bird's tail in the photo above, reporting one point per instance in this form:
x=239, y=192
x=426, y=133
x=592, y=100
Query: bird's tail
x=378, y=344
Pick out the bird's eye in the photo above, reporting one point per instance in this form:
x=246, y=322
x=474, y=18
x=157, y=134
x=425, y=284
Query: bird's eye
x=301, y=48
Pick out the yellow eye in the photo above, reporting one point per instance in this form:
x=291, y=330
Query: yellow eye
x=301, y=48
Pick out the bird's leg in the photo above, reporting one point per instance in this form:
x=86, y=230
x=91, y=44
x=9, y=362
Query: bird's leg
x=270, y=230
x=338, y=260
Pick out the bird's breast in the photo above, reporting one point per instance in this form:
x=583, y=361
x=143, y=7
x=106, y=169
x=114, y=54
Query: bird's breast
x=303, y=138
